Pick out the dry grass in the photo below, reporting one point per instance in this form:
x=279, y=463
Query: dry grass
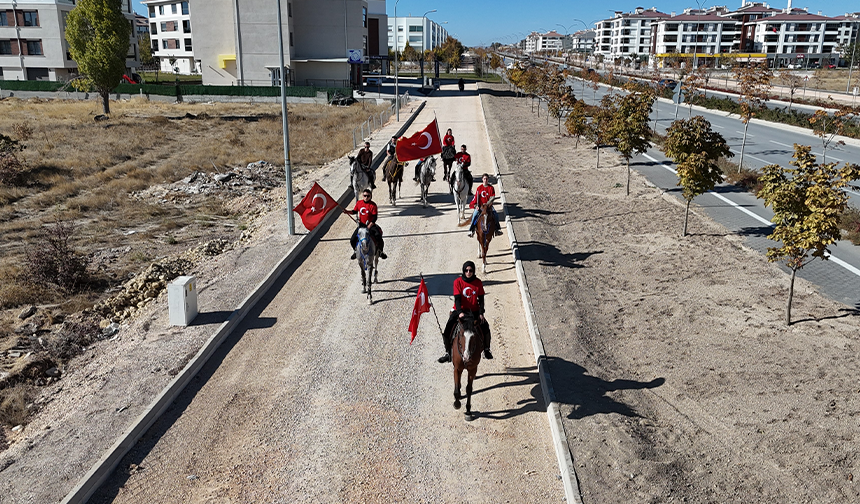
x=83, y=171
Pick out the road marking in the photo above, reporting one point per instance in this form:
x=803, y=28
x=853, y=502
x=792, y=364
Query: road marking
x=780, y=143
x=759, y=218
x=718, y=126
x=751, y=156
x=831, y=157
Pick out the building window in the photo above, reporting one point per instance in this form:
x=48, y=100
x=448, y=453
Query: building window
x=186, y=26
x=168, y=26
x=290, y=10
x=152, y=11
x=416, y=28
x=31, y=18
x=4, y=21
x=160, y=10
x=364, y=16
x=188, y=44
x=34, y=47
x=153, y=28
x=291, y=39
x=5, y=47
x=154, y=46
x=173, y=8
x=185, y=8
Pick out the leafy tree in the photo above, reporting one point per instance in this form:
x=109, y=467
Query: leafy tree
x=693, y=84
x=807, y=201
x=851, y=53
x=98, y=36
x=409, y=53
x=577, y=120
x=753, y=86
x=629, y=128
x=791, y=80
x=828, y=126
x=145, y=44
x=695, y=149
x=496, y=61
x=599, y=129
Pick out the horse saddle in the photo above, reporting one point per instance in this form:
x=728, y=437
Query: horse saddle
x=448, y=153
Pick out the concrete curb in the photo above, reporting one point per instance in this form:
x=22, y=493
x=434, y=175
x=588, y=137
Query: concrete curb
x=562, y=449
x=102, y=469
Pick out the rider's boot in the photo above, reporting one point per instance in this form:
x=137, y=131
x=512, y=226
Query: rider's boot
x=383, y=255
x=352, y=258
x=471, y=231
x=498, y=232
x=445, y=358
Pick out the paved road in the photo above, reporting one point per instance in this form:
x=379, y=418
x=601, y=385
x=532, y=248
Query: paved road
x=319, y=397
x=739, y=210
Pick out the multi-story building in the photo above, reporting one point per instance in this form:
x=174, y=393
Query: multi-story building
x=802, y=39
x=544, y=42
x=33, y=40
x=412, y=30
x=705, y=32
x=141, y=25
x=582, y=41
x=627, y=36
x=170, y=35
x=236, y=42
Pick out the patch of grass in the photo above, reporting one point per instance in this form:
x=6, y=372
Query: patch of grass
x=746, y=178
x=13, y=404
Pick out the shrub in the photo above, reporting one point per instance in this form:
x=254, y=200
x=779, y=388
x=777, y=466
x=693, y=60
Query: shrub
x=13, y=405
x=10, y=167
x=53, y=262
x=74, y=337
x=746, y=178
x=849, y=221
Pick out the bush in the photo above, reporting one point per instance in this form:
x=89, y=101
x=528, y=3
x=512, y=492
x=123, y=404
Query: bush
x=13, y=405
x=849, y=221
x=53, y=262
x=74, y=337
x=746, y=178
x=10, y=167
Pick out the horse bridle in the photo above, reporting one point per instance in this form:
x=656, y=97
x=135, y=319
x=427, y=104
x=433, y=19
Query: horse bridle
x=478, y=333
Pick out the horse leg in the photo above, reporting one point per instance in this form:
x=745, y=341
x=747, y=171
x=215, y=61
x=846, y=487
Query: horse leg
x=457, y=375
x=473, y=370
x=376, y=269
x=363, y=282
x=369, y=293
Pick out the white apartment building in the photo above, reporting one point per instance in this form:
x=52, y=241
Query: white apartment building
x=237, y=41
x=800, y=38
x=704, y=32
x=412, y=29
x=33, y=40
x=550, y=41
x=170, y=35
x=582, y=41
x=627, y=35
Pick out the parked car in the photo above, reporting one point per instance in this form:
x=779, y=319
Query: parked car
x=668, y=83
x=373, y=81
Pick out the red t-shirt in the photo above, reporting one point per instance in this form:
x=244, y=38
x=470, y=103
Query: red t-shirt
x=448, y=140
x=465, y=158
x=482, y=195
x=469, y=293
x=367, y=212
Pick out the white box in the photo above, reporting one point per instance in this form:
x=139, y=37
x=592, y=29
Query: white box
x=182, y=300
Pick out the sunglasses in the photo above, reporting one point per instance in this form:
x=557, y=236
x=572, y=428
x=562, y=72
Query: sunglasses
x=470, y=269
x=366, y=195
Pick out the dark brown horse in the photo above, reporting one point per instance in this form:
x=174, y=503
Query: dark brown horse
x=485, y=229
x=393, y=174
x=468, y=343
x=449, y=154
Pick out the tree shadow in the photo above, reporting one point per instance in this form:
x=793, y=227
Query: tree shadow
x=498, y=93
x=847, y=312
x=587, y=394
x=546, y=254
x=762, y=231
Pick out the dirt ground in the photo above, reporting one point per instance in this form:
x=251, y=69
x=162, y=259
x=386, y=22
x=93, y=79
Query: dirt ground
x=677, y=380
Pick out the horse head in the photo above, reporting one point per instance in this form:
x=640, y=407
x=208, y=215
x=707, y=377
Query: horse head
x=488, y=205
x=473, y=344
x=353, y=161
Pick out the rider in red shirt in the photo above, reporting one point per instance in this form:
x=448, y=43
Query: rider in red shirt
x=367, y=212
x=482, y=195
x=468, y=299
x=448, y=139
x=465, y=159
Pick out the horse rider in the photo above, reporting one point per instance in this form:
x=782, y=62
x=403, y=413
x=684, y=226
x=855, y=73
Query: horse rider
x=483, y=194
x=365, y=160
x=448, y=139
x=465, y=159
x=391, y=149
x=468, y=299
x=449, y=150
x=367, y=214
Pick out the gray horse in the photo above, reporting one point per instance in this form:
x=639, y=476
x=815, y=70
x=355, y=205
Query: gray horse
x=360, y=179
x=368, y=259
x=461, y=192
x=428, y=171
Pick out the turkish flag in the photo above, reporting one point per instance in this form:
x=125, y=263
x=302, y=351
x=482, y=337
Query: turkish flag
x=420, y=145
x=422, y=305
x=315, y=205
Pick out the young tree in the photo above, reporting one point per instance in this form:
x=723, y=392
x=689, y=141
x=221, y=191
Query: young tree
x=10, y=166
x=145, y=45
x=577, y=121
x=791, y=80
x=599, y=129
x=629, y=128
x=409, y=53
x=695, y=149
x=828, y=126
x=693, y=83
x=807, y=201
x=98, y=36
x=753, y=86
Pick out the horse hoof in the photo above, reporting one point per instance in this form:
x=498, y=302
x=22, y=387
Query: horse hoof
x=456, y=404
x=469, y=417
x=363, y=289
x=369, y=300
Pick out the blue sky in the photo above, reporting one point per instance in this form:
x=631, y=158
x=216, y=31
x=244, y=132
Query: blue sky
x=483, y=22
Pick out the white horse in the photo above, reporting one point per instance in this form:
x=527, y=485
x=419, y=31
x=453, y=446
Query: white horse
x=368, y=258
x=360, y=179
x=428, y=171
x=461, y=192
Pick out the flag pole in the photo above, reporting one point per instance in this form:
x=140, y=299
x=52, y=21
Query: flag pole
x=432, y=307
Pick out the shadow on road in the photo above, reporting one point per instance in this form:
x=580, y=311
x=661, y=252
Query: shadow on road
x=546, y=254
x=528, y=377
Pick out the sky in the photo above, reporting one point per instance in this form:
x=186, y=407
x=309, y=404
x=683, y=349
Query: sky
x=483, y=22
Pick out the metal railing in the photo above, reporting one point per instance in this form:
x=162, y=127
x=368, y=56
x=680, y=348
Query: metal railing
x=363, y=131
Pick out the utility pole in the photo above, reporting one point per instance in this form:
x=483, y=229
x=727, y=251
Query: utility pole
x=291, y=223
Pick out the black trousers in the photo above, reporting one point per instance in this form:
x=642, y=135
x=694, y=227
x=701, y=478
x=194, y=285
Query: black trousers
x=375, y=233
x=448, y=335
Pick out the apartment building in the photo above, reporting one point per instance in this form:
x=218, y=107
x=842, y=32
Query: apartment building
x=801, y=39
x=707, y=32
x=626, y=35
x=236, y=41
x=170, y=35
x=33, y=40
x=421, y=33
x=582, y=41
x=544, y=42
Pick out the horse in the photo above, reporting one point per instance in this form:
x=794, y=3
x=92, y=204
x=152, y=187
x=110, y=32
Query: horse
x=360, y=179
x=393, y=173
x=468, y=343
x=428, y=171
x=461, y=192
x=368, y=257
x=485, y=229
x=448, y=156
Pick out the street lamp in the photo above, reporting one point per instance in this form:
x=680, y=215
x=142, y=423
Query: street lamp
x=424, y=43
x=287, y=169
x=851, y=61
x=396, y=82
x=587, y=28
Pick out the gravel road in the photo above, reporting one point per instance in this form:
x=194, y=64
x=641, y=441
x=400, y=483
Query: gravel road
x=319, y=397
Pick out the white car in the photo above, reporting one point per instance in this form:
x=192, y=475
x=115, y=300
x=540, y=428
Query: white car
x=373, y=81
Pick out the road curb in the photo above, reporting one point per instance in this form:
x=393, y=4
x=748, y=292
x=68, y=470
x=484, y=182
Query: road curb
x=102, y=469
x=562, y=449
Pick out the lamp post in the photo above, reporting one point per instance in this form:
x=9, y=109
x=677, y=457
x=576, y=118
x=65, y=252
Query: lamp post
x=396, y=82
x=851, y=61
x=594, y=41
x=291, y=224
x=424, y=43
x=566, y=33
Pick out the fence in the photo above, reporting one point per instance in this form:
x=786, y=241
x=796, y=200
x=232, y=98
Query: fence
x=375, y=122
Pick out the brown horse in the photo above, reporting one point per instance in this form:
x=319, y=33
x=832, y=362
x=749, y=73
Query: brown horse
x=393, y=174
x=485, y=229
x=468, y=343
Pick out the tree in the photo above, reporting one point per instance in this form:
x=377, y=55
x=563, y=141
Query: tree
x=496, y=62
x=145, y=44
x=98, y=36
x=828, y=126
x=807, y=201
x=629, y=128
x=695, y=149
x=693, y=83
x=10, y=166
x=753, y=86
x=792, y=81
x=851, y=53
x=577, y=121
x=599, y=131
x=409, y=53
